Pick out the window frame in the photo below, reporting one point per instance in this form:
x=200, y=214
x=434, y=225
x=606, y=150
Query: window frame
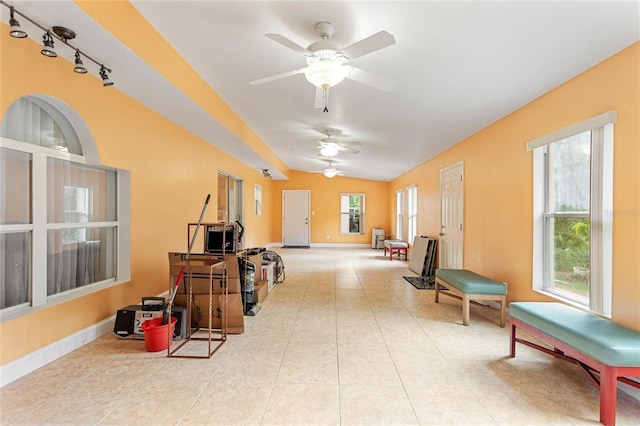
x=257, y=198
x=361, y=221
x=412, y=213
x=600, y=214
x=39, y=228
x=399, y=214
x=230, y=200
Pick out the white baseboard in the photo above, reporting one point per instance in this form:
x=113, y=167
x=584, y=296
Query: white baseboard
x=22, y=366
x=339, y=245
x=271, y=246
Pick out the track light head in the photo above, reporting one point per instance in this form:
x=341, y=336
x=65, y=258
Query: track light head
x=79, y=68
x=47, y=50
x=16, y=31
x=105, y=77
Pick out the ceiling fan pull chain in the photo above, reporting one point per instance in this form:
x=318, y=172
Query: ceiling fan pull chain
x=324, y=95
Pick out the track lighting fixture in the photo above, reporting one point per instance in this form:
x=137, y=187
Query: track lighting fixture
x=16, y=31
x=79, y=68
x=265, y=173
x=63, y=35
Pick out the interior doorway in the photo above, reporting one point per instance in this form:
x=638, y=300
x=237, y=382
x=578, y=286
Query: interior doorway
x=452, y=216
x=229, y=198
x=295, y=218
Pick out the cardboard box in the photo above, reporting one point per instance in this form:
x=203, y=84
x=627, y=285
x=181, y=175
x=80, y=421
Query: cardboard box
x=260, y=291
x=200, y=305
x=256, y=260
x=199, y=272
x=233, y=271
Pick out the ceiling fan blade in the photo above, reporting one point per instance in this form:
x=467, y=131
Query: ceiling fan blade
x=288, y=43
x=352, y=143
x=370, y=79
x=277, y=76
x=349, y=150
x=368, y=45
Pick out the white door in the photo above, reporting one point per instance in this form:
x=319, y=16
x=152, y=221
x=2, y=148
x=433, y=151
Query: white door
x=451, y=216
x=295, y=218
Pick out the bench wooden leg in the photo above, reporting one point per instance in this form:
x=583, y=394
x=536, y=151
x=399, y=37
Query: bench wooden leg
x=608, y=389
x=396, y=250
x=503, y=302
x=465, y=309
x=512, y=351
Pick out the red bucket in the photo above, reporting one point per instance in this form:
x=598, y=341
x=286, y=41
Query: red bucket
x=155, y=334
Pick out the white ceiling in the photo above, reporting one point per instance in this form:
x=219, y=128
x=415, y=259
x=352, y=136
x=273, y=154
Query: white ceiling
x=458, y=67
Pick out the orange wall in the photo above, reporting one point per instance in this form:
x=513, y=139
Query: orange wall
x=325, y=203
x=498, y=182
x=172, y=171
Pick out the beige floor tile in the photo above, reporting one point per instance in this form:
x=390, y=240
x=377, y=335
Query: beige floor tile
x=368, y=370
x=87, y=402
x=225, y=403
x=303, y=404
x=435, y=405
x=309, y=368
x=158, y=402
x=375, y=405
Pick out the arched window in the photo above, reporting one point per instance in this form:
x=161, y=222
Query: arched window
x=61, y=214
x=36, y=121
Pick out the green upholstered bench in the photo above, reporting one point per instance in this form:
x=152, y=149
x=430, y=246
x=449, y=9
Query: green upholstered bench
x=467, y=286
x=395, y=246
x=594, y=343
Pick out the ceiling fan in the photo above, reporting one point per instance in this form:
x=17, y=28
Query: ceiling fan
x=330, y=147
x=326, y=61
x=329, y=171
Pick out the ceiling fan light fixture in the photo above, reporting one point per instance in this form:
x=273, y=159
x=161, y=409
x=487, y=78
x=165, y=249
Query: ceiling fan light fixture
x=326, y=73
x=329, y=149
x=330, y=172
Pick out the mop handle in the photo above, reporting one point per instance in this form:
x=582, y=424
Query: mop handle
x=195, y=234
x=165, y=315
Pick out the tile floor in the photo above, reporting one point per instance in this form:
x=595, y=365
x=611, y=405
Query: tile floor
x=345, y=340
